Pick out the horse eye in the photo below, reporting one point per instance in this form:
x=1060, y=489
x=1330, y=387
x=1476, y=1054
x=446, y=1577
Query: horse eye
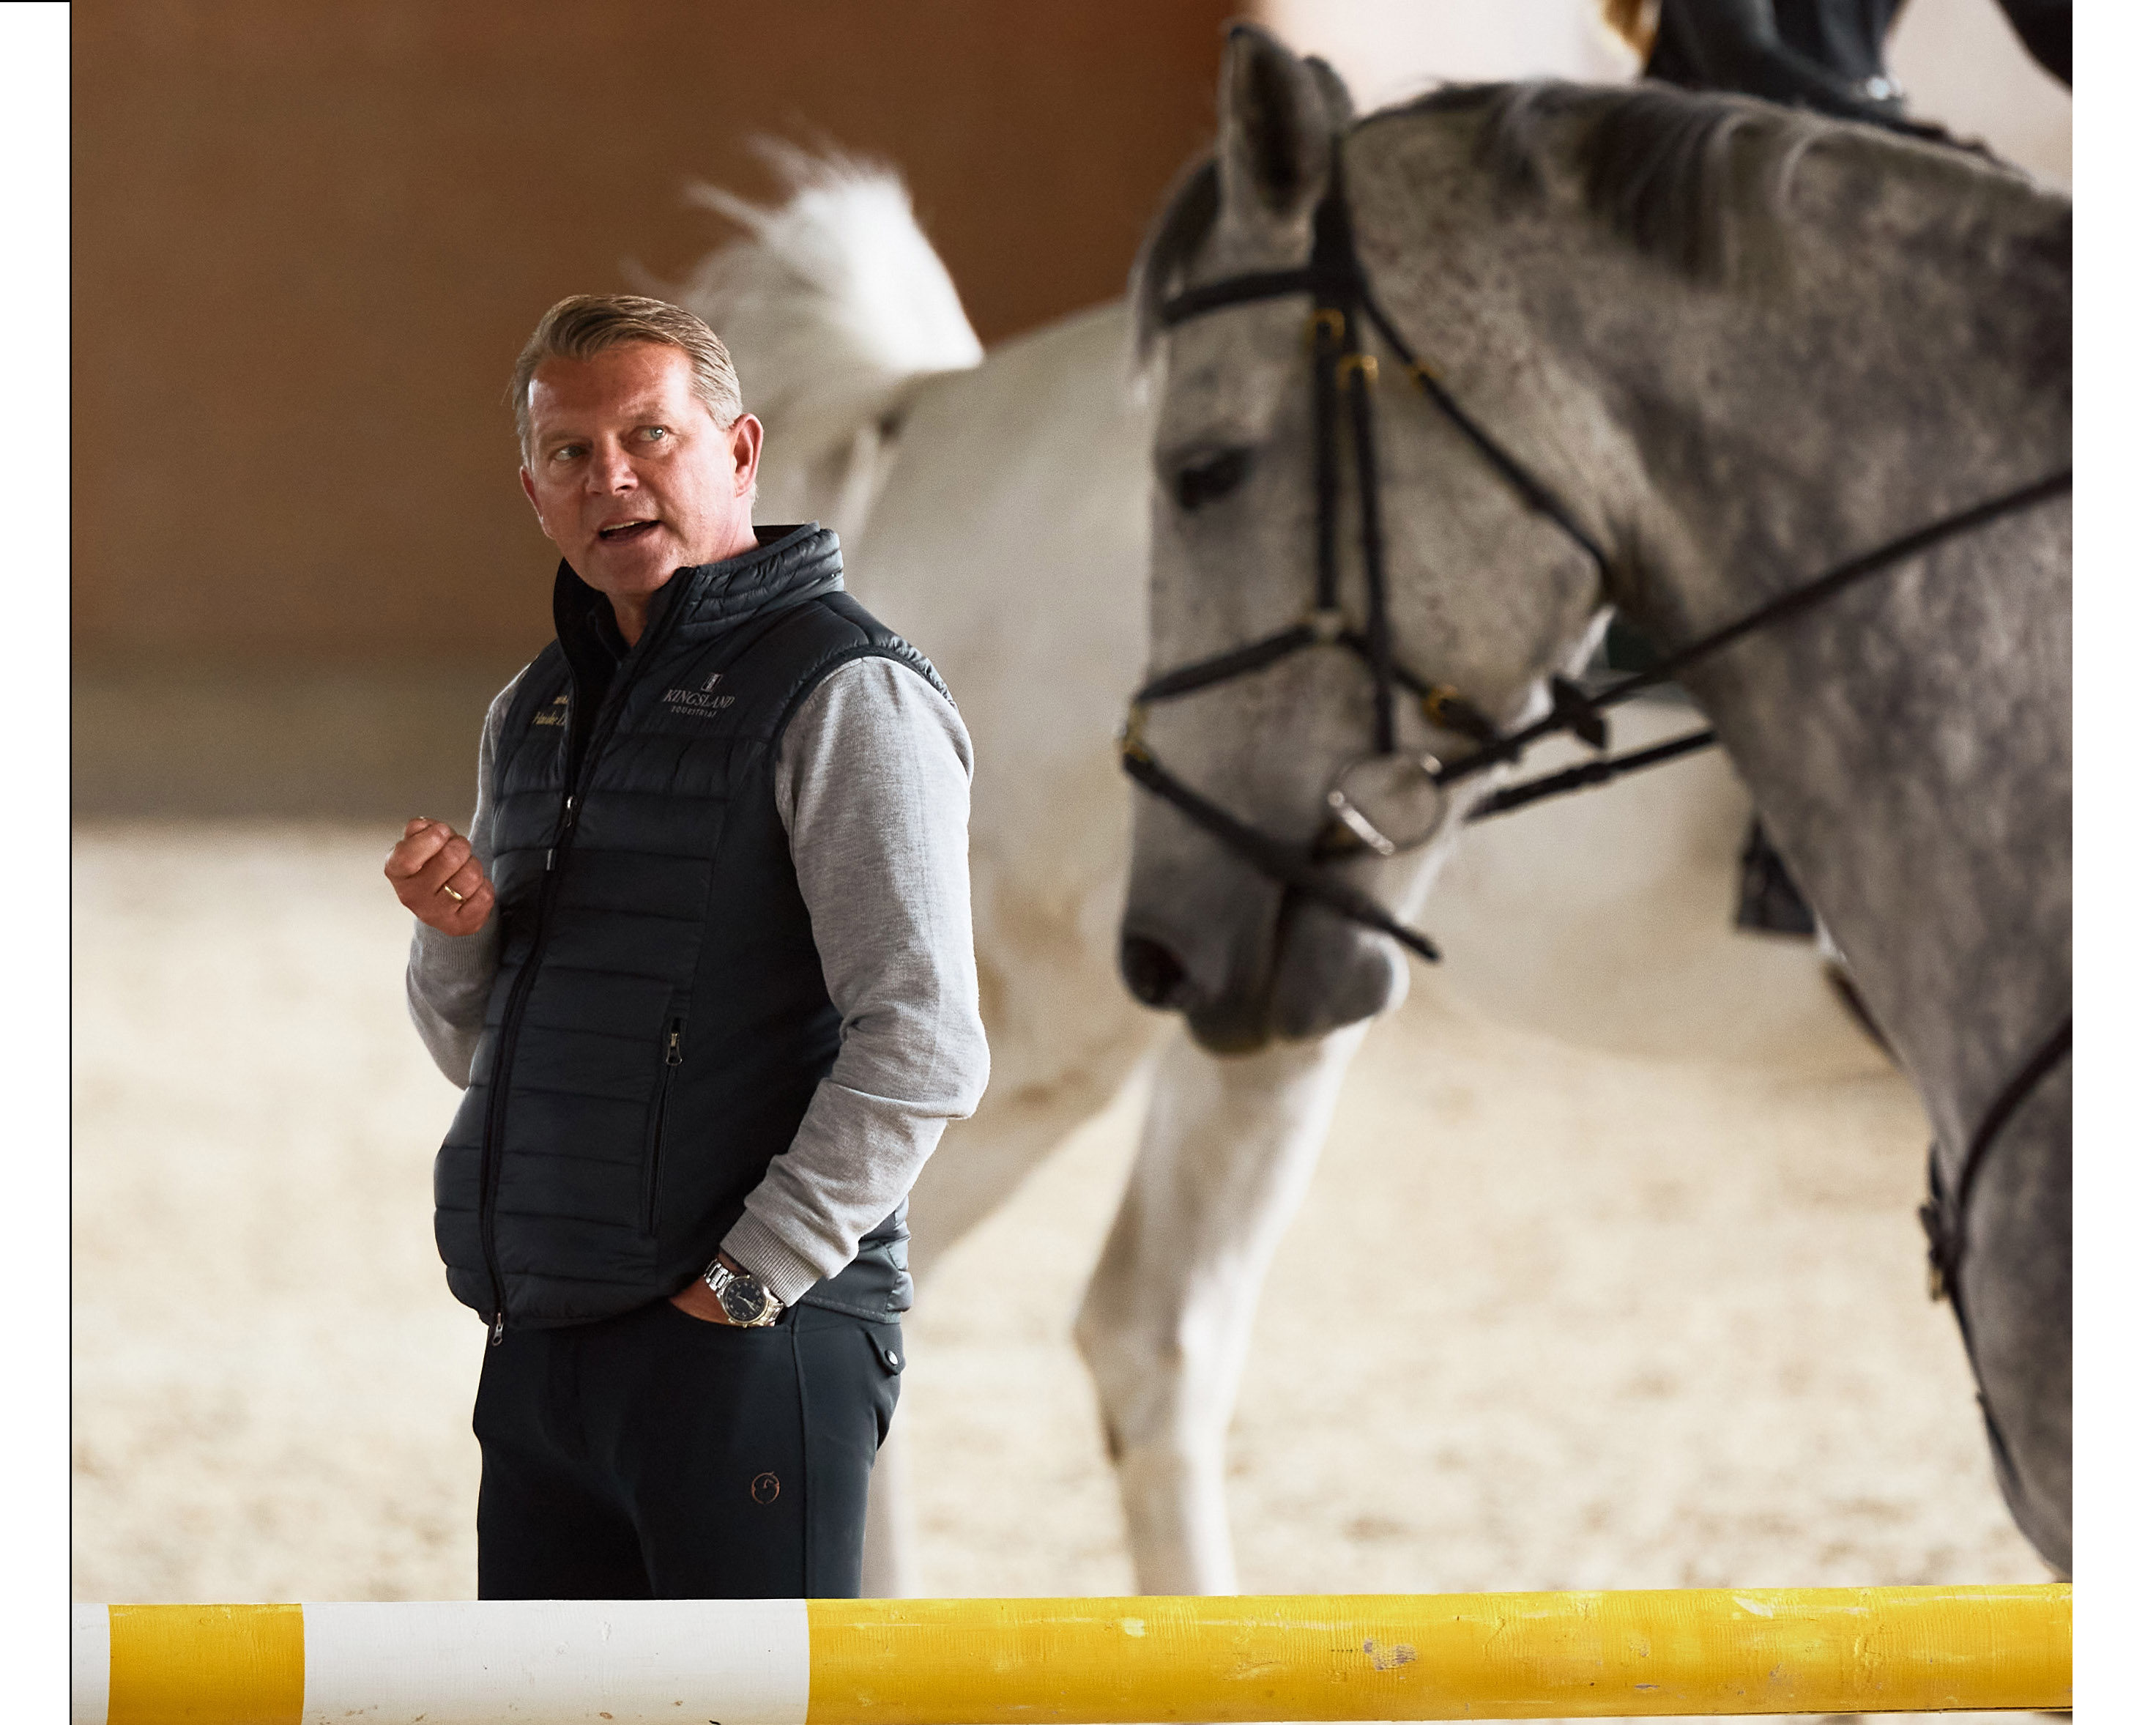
x=1203, y=481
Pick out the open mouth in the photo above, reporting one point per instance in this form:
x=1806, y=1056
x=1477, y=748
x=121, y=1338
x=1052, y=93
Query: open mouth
x=623, y=532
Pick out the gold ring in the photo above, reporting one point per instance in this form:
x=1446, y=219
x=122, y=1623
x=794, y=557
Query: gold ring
x=453, y=892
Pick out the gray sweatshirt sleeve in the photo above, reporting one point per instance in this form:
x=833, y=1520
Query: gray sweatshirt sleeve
x=448, y=977
x=874, y=783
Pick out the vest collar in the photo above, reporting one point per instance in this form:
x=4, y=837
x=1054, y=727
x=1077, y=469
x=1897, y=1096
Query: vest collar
x=789, y=565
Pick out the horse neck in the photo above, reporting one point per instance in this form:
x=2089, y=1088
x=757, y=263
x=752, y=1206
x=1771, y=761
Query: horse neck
x=1900, y=353
x=1908, y=742
x=1905, y=358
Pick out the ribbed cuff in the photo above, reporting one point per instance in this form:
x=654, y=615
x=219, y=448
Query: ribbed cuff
x=769, y=1259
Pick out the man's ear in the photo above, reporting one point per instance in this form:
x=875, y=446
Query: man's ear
x=1277, y=131
x=530, y=494
x=745, y=436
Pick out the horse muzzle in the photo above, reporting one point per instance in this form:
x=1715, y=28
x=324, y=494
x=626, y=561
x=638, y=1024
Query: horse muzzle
x=1317, y=975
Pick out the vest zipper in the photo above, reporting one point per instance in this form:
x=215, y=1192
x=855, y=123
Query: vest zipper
x=497, y=1100
x=563, y=833
x=659, y=1129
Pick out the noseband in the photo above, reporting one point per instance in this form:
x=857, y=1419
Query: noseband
x=1340, y=299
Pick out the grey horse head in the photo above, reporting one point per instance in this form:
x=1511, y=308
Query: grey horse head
x=1640, y=297
x=1234, y=545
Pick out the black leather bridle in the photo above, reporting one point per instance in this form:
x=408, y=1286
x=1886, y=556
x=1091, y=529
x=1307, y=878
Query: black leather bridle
x=1340, y=299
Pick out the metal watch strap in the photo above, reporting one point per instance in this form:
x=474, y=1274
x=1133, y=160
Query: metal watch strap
x=718, y=1278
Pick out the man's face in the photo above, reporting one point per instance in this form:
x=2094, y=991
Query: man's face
x=630, y=475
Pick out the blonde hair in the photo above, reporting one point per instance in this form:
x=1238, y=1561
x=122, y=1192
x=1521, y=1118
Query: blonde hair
x=1634, y=23
x=584, y=325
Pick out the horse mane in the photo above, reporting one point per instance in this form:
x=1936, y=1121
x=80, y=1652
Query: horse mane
x=1668, y=170
x=1678, y=174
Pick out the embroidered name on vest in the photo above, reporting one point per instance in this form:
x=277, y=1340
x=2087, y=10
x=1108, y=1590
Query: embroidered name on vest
x=555, y=714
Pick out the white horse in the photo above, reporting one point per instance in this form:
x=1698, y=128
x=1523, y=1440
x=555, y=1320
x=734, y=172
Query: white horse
x=994, y=511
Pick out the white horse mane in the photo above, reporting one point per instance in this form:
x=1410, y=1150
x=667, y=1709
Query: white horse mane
x=835, y=307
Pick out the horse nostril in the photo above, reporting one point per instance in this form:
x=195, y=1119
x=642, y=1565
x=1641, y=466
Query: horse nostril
x=1150, y=971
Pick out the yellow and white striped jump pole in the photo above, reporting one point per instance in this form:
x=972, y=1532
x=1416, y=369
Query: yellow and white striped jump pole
x=1090, y=1662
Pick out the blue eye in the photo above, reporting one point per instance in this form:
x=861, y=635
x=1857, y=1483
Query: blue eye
x=654, y=432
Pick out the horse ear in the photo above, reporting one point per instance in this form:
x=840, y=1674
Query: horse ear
x=1276, y=130
x=1339, y=103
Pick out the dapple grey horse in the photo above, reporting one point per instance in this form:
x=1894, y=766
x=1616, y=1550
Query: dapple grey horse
x=1669, y=355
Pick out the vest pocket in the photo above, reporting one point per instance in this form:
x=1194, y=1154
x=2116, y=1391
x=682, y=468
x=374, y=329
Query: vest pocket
x=655, y=1153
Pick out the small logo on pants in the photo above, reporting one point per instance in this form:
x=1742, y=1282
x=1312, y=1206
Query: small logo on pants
x=764, y=1487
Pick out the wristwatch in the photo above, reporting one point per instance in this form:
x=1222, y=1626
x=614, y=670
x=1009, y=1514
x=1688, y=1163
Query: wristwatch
x=747, y=1302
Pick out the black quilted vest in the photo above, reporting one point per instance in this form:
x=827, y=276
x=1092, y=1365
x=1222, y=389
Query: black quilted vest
x=659, y=1021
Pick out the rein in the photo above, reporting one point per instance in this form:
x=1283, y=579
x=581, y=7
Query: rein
x=1945, y=1213
x=1340, y=294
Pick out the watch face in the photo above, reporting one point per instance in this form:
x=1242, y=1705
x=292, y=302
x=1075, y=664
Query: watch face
x=743, y=1299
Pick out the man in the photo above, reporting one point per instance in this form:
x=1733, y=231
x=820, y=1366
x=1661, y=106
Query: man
x=706, y=969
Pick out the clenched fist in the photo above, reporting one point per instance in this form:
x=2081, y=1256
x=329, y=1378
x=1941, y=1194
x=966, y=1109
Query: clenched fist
x=439, y=880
